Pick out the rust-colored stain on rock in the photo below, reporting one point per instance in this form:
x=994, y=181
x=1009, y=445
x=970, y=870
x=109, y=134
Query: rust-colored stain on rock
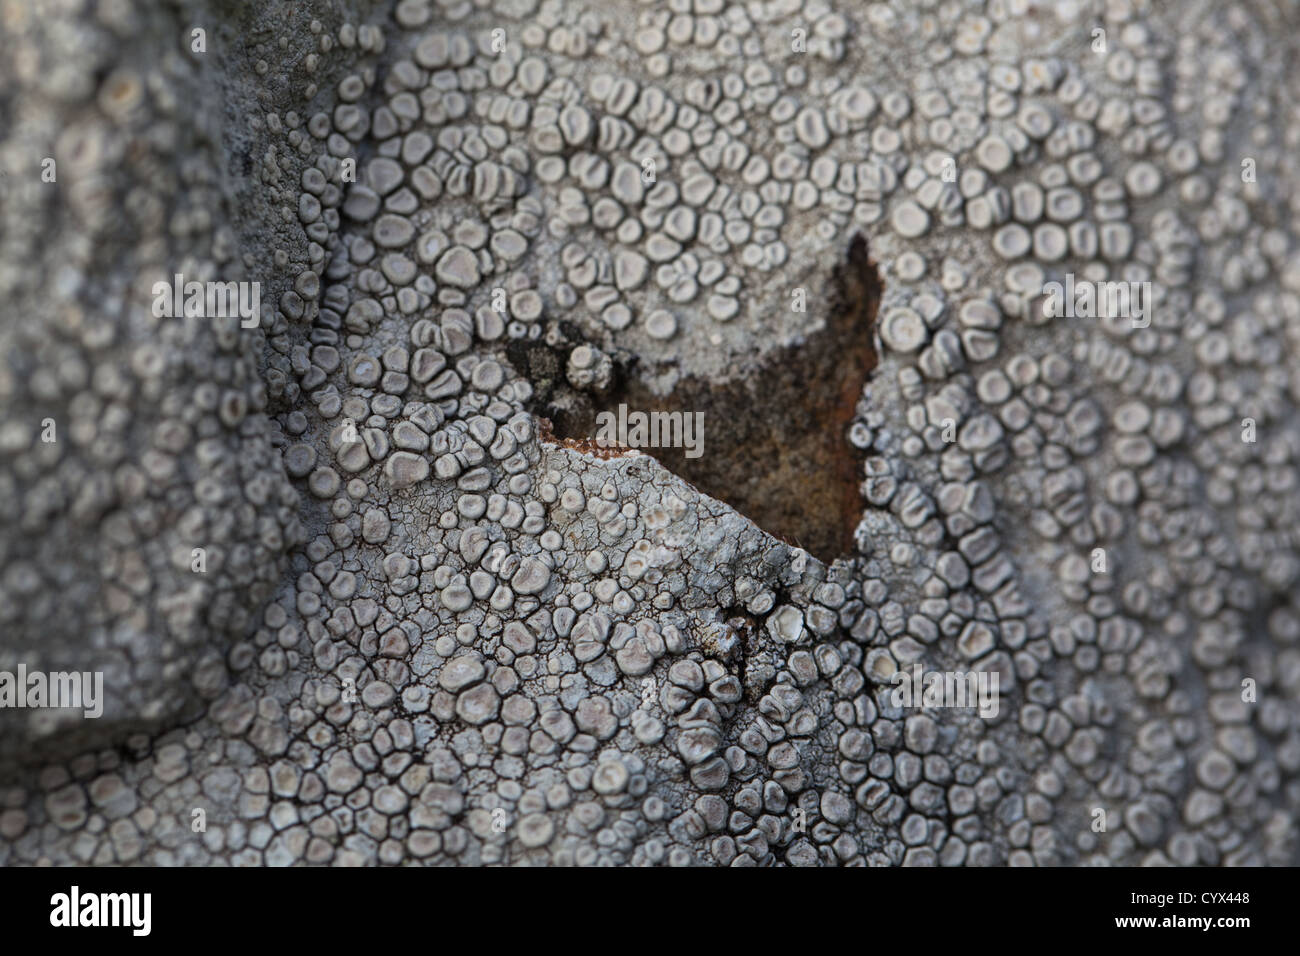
x=775, y=442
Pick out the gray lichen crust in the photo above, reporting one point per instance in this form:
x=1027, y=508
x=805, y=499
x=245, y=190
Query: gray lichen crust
x=353, y=606
x=128, y=440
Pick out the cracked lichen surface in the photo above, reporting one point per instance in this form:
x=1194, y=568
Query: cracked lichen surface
x=425, y=635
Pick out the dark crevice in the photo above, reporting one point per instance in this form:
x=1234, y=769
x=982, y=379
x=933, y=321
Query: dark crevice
x=775, y=442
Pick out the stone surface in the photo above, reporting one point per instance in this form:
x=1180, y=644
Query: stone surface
x=336, y=560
